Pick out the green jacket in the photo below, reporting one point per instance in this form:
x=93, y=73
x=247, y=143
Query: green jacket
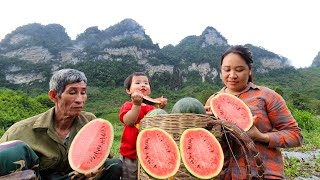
x=39, y=134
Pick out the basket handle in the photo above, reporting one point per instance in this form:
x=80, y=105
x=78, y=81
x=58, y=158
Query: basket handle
x=242, y=139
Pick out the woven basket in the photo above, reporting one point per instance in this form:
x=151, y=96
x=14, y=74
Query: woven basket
x=176, y=124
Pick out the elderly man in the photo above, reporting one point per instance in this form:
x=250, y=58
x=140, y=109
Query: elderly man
x=41, y=143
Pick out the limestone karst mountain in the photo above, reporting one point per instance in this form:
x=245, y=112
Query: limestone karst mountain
x=29, y=55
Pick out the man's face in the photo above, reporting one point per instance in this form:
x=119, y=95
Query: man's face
x=72, y=100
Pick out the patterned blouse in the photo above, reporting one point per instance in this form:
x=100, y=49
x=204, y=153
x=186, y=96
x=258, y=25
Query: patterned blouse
x=274, y=119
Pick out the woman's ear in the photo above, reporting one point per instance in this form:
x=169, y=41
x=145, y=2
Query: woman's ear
x=52, y=95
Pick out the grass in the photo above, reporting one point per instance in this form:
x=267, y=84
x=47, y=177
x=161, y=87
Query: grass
x=2, y=130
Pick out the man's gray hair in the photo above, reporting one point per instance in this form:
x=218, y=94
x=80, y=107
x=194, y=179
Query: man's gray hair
x=60, y=79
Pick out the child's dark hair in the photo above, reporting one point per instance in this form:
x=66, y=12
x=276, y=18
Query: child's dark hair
x=128, y=81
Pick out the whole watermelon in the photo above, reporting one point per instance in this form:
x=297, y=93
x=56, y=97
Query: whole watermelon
x=188, y=105
x=156, y=112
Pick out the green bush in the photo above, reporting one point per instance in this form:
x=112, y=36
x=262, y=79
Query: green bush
x=16, y=105
x=306, y=120
x=2, y=130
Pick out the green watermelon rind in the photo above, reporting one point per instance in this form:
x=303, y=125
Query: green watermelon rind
x=150, y=101
x=176, y=149
x=79, y=134
x=185, y=162
x=156, y=112
x=238, y=101
x=188, y=105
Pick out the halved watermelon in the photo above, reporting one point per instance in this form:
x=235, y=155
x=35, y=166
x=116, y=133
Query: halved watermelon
x=158, y=153
x=231, y=108
x=201, y=153
x=91, y=146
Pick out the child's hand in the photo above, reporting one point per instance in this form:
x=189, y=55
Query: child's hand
x=137, y=98
x=163, y=102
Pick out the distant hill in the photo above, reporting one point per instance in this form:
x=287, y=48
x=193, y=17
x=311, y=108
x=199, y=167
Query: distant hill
x=316, y=61
x=30, y=54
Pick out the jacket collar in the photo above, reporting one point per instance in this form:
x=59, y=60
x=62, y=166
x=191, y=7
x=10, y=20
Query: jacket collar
x=44, y=120
x=249, y=86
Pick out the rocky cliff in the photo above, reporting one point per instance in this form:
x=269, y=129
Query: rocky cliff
x=32, y=52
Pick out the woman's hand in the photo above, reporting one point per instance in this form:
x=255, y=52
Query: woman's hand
x=256, y=135
x=208, y=110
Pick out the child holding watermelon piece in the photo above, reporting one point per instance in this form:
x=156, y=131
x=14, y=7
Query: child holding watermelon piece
x=274, y=127
x=137, y=86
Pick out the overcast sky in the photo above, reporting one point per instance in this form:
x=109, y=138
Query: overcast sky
x=286, y=27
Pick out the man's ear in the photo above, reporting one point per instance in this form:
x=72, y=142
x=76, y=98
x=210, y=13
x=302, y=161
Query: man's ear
x=53, y=95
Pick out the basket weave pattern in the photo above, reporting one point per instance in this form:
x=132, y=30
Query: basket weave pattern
x=176, y=124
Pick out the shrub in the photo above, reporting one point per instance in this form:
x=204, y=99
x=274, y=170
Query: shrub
x=306, y=120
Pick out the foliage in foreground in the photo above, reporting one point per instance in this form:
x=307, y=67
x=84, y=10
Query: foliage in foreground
x=16, y=105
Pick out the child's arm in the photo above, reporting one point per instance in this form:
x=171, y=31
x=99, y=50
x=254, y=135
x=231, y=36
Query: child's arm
x=131, y=116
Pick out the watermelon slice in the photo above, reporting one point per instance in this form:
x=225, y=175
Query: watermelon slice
x=201, y=153
x=231, y=108
x=150, y=101
x=91, y=146
x=158, y=153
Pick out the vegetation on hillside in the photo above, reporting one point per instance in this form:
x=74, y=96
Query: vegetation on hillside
x=52, y=36
x=17, y=105
x=106, y=102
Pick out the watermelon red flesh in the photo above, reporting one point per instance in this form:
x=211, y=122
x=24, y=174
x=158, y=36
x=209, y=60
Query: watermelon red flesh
x=230, y=108
x=91, y=146
x=158, y=153
x=201, y=153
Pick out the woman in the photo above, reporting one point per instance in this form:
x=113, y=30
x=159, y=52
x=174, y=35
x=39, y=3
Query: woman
x=274, y=126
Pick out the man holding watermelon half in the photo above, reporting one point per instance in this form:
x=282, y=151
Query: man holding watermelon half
x=38, y=147
x=273, y=128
